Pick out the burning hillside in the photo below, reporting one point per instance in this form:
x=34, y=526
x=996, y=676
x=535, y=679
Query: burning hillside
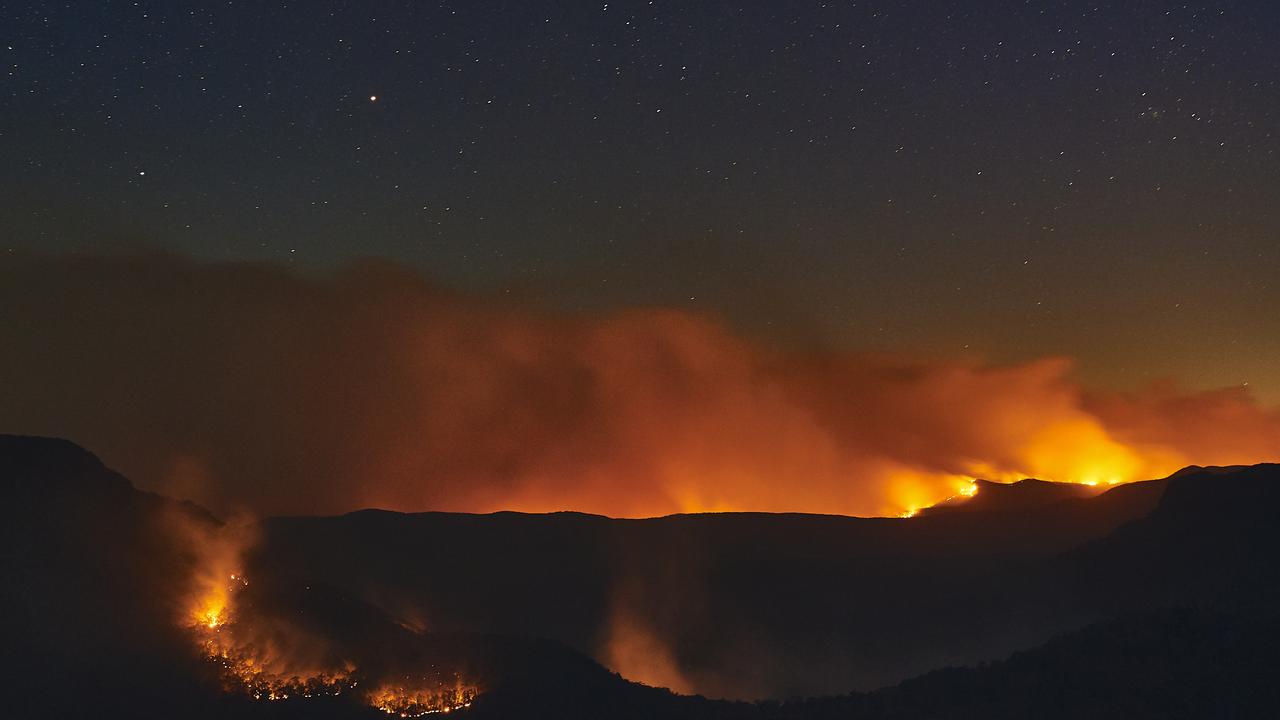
x=295, y=624
x=269, y=659
x=408, y=701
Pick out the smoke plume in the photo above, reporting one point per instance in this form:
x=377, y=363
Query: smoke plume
x=242, y=385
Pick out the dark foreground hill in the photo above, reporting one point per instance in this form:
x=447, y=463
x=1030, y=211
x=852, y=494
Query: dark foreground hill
x=1167, y=664
x=749, y=604
x=94, y=576
x=744, y=605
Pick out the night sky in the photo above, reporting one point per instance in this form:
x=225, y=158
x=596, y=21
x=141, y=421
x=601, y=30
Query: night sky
x=1006, y=180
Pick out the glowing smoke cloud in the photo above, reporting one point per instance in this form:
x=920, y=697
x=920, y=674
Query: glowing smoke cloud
x=249, y=385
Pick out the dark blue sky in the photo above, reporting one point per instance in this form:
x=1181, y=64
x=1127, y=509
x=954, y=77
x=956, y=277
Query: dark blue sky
x=1009, y=179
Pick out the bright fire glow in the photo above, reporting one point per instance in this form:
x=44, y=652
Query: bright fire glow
x=477, y=404
x=264, y=672
x=427, y=699
x=247, y=667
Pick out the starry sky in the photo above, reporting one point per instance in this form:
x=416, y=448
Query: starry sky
x=1007, y=180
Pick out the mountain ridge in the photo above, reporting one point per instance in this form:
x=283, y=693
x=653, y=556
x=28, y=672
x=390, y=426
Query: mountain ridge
x=81, y=541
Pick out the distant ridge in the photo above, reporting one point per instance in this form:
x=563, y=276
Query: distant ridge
x=52, y=463
x=1031, y=493
x=752, y=605
x=1021, y=495
x=1210, y=469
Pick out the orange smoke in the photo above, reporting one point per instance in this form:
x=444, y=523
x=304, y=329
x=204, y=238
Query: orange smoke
x=259, y=657
x=249, y=385
x=216, y=552
x=637, y=652
x=269, y=657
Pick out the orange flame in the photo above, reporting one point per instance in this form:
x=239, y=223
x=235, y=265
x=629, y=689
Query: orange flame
x=385, y=391
x=425, y=699
x=258, y=665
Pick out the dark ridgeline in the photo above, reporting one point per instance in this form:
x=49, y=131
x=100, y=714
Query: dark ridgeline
x=751, y=604
x=1161, y=595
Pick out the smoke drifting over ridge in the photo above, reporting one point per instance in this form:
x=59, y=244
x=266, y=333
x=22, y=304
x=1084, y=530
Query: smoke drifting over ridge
x=242, y=385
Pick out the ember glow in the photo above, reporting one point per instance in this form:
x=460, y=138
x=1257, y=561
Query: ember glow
x=217, y=578
x=226, y=637
x=269, y=662
x=409, y=701
x=257, y=670
x=213, y=611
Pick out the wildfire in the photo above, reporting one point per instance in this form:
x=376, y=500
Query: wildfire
x=407, y=702
x=266, y=676
x=261, y=683
x=246, y=667
x=212, y=610
x=966, y=487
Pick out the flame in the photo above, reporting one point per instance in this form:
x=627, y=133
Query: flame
x=256, y=677
x=965, y=487
x=218, y=576
x=474, y=404
x=427, y=699
x=213, y=610
x=911, y=491
x=246, y=666
x=225, y=634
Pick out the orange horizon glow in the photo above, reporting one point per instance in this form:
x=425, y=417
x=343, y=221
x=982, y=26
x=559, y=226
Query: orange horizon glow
x=372, y=388
x=908, y=492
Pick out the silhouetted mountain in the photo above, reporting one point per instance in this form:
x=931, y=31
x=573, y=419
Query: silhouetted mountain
x=1022, y=495
x=735, y=604
x=748, y=604
x=1213, y=540
x=1173, y=664
x=93, y=581
x=1211, y=469
x=87, y=581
